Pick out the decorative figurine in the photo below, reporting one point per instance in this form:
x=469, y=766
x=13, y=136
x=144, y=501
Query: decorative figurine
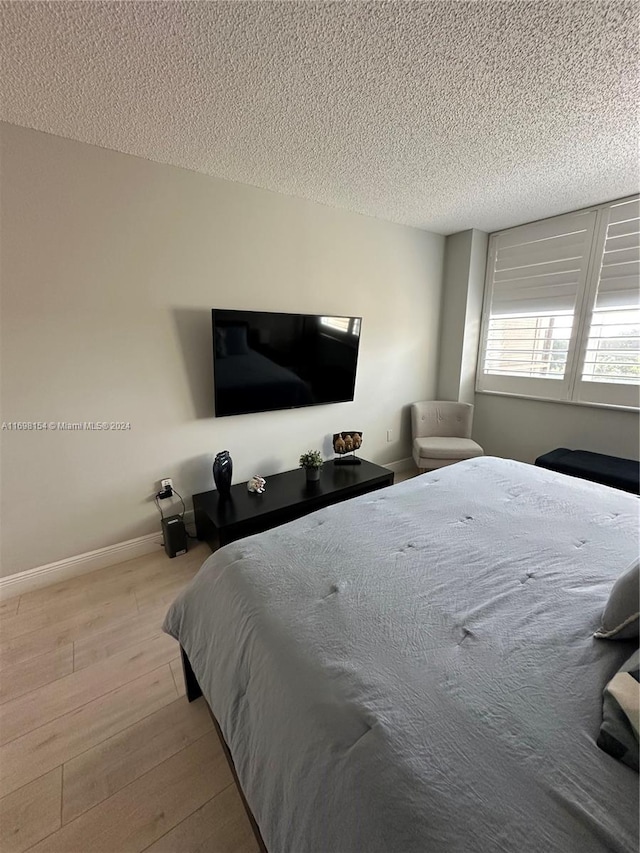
x=257, y=484
x=347, y=443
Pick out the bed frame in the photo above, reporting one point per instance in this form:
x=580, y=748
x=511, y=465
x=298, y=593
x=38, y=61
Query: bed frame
x=194, y=692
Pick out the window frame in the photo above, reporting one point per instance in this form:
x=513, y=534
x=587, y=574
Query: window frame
x=572, y=388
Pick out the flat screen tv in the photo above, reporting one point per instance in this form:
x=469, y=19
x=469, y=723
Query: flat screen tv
x=264, y=361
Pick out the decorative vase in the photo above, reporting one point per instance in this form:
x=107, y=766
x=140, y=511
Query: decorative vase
x=313, y=475
x=222, y=472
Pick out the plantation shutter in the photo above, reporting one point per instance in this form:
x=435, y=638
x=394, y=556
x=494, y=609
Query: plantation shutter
x=539, y=268
x=535, y=277
x=620, y=262
x=611, y=364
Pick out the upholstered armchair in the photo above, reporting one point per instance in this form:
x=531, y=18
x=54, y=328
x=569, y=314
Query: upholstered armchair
x=442, y=434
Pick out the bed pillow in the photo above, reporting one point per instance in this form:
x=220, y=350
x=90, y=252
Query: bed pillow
x=620, y=714
x=620, y=617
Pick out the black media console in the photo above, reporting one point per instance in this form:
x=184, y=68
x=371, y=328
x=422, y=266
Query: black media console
x=288, y=496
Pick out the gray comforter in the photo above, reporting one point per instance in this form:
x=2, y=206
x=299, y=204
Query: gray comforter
x=413, y=671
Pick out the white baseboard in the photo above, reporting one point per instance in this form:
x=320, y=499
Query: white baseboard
x=401, y=465
x=82, y=564
x=23, y=582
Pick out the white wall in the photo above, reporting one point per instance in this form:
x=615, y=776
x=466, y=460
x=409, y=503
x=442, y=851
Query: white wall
x=110, y=265
x=524, y=429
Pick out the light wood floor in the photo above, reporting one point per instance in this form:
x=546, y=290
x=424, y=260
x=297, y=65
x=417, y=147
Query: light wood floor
x=99, y=749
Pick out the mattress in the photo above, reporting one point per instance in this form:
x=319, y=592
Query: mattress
x=413, y=670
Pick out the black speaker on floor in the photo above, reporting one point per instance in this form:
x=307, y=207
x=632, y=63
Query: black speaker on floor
x=175, y=536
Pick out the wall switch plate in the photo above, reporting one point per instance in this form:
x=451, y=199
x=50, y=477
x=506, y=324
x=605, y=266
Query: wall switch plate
x=389, y=434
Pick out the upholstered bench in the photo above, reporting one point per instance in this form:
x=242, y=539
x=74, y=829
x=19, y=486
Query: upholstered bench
x=610, y=470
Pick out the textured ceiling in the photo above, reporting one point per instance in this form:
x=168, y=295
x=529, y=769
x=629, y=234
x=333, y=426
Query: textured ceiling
x=444, y=115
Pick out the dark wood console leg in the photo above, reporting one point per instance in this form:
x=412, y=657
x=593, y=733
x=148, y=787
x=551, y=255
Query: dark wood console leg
x=190, y=681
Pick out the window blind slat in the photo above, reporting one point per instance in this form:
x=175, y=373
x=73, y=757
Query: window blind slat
x=617, y=293
x=624, y=211
x=518, y=341
x=626, y=270
x=630, y=226
x=525, y=371
x=572, y=265
x=536, y=285
x=515, y=354
x=625, y=241
x=621, y=256
x=572, y=223
x=543, y=251
x=542, y=298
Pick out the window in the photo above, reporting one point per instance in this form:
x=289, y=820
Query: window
x=562, y=308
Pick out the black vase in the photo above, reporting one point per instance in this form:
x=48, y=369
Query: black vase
x=222, y=472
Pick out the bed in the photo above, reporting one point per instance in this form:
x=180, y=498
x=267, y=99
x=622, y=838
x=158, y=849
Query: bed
x=414, y=671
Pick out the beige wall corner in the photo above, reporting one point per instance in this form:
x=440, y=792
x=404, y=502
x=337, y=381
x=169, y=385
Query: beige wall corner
x=462, y=294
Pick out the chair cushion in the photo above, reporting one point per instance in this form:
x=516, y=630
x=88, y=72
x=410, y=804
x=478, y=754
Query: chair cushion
x=447, y=448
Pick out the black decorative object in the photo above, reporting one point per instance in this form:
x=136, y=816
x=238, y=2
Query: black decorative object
x=222, y=473
x=345, y=445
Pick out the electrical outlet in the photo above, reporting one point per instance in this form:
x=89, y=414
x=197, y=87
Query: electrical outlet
x=389, y=435
x=166, y=489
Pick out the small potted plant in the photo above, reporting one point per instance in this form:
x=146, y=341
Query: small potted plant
x=312, y=462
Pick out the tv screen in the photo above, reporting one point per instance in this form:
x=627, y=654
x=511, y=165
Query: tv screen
x=264, y=361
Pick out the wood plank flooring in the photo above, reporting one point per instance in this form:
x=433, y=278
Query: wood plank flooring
x=99, y=749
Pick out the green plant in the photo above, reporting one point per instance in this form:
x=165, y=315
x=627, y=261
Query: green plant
x=311, y=459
